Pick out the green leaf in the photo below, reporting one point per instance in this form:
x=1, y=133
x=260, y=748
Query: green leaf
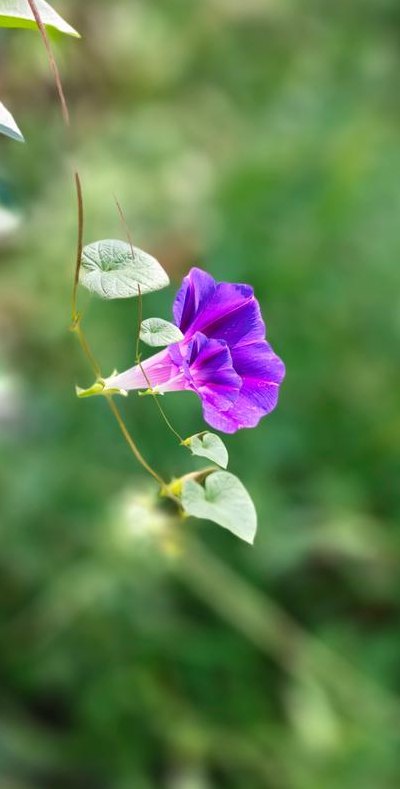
x=224, y=500
x=208, y=445
x=17, y=13
x=8, y=125
x=157, y=332
x=109, y=270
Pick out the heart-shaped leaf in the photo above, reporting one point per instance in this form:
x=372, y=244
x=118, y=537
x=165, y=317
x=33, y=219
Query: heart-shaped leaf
x=18, y=13
x=109, y=270
x=208, y=445
x=224, y=500
x=8, y=125
x=157, y=332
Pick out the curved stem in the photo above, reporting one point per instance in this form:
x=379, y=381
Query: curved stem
x=76, y=318
x=125, y=432
x=77, y=328
x=139, y=324
x=165, y=418
x=79, y=246
x=52, y=61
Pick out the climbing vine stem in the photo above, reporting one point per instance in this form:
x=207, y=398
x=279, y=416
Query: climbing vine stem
x=76, y=325
x=138, y=328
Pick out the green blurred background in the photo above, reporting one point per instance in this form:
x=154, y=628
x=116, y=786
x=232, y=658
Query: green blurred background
x=259, y=139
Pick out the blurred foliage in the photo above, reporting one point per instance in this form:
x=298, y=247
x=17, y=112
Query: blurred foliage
x=259, y=139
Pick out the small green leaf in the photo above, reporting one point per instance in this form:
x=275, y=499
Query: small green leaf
x=157, y=332
x=8, y=125
x=109, y=270
x=224, y=500
x=17, y=13
x=208, y=445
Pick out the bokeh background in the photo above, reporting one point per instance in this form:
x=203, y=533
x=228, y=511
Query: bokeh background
x=259, y=139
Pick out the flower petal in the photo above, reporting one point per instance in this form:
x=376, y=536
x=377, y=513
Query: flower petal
x=195, y=292
x=261, y=371
x=222, y=310
x=223, y=356
x=209, y=370
x=156, y=370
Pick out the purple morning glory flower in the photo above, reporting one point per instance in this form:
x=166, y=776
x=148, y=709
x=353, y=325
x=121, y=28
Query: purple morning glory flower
x=223, y=357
